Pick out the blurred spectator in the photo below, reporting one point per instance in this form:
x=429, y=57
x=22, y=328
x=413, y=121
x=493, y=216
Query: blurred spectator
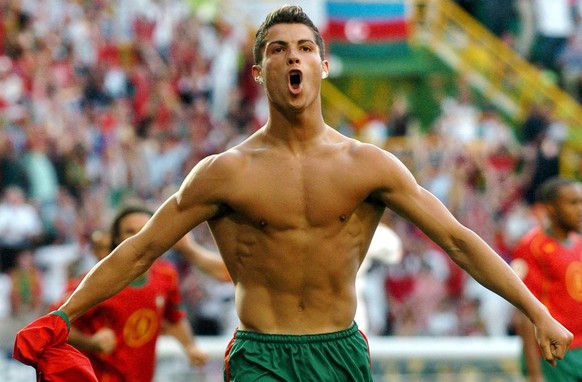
x=12, y=172
x=555, y=23
x=495, y=133
x=20, y=226
x=11, y=89
x=399, y=118
x=459, y=119
x=498, y=16
x=41, y=170
x=373, y=310
x=27, y=285
x=547, y=163
x=570, y=66
x=5, y=303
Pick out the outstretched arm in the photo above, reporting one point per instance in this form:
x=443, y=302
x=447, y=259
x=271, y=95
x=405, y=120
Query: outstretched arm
x=400, y=192
x=196, y=201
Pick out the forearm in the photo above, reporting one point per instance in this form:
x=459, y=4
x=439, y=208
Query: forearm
x=81, y=341
x=182, y=332
x=489, y=269
x=207, y=261
x=107, y=278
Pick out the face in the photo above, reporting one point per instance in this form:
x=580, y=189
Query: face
x=100, y=244
x=132, y=224
x=566, y=212
x=292, y=67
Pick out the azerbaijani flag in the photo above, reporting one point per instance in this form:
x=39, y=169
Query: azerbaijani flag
x=366, y=21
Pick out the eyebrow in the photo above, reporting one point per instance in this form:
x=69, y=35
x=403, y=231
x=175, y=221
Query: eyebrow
x=281, y=42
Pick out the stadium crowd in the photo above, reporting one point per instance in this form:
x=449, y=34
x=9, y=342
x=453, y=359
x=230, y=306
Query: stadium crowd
x=107, y=101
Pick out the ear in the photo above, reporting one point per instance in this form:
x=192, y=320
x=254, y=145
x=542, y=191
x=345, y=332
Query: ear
x=257, y=74
x=324, y=69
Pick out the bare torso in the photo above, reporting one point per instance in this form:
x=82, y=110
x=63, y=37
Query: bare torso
x=293, y=233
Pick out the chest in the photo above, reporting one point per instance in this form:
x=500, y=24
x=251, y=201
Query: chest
x=312, y=192
x=151, y=299
x=556, y=262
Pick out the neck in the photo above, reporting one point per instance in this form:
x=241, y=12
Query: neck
x=140, y=281
x=558, y=233
x=296, y=133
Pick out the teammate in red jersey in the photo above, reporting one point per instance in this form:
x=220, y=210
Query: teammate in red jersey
x=119, y=335
x=549, y=260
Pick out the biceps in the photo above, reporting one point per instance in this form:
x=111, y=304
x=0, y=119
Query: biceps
x=424, y=210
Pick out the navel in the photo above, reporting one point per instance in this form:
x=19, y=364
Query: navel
x=342, y=217
x=263, y=223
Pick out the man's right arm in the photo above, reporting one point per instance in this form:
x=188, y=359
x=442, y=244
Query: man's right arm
x=194, y=203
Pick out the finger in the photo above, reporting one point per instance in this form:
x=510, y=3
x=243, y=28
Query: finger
x=547, y=354
x=558, y=351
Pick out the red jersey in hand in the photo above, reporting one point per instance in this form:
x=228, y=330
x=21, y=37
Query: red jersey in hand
x=135, y=314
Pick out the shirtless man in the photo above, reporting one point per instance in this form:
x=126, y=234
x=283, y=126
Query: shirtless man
x=293, y=209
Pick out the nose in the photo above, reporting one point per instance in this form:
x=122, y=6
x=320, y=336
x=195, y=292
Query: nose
x=293, y=57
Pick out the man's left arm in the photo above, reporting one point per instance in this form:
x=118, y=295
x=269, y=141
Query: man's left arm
x=401, y=193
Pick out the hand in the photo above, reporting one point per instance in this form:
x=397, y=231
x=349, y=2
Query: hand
x=553, y=339
x=104, y=341
x=196, y=356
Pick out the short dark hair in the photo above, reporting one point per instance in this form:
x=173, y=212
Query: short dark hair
x=287, y=14
x=549, y=190
x=123, y=212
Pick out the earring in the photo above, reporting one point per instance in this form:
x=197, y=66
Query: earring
x=324, y=75
x=259, y=80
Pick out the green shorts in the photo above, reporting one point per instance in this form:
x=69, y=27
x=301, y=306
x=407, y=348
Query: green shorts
x=334, y=357
x=568, y=369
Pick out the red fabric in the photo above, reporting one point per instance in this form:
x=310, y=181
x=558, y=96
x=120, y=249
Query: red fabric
x=43, y=345
x=135, y=314
x=368, y=31
x=552, y=270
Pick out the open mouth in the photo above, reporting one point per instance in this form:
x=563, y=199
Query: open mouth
x=295, y=79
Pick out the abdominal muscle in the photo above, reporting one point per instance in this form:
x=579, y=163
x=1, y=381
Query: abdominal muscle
x=310, y=312
x=292, y=282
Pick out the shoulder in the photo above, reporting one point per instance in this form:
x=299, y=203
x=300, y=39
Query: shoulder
x=531, y=242
x=164, y=272
x=221, y=166
x=163, y=266
x=212, y=177
x=364, y=153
